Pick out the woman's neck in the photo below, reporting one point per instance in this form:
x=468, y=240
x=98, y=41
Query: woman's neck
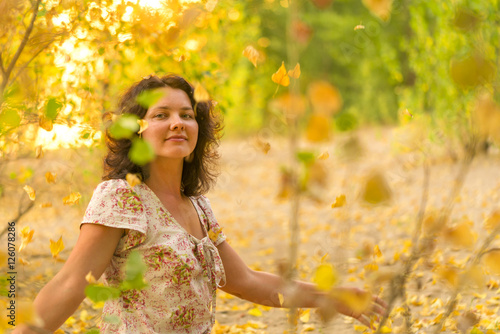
x=165, y=177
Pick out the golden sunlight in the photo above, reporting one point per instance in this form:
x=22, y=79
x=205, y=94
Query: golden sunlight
x=155, y=4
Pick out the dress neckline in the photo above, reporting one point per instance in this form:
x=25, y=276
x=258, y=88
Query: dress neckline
x=193, y=203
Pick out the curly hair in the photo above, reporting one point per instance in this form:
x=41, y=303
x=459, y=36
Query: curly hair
x=199, y=175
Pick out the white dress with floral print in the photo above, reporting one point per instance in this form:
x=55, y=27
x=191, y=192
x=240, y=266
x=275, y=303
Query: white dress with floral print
x=182, y=273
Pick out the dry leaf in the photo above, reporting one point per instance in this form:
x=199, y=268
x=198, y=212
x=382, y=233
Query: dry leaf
x=30, y=191
x=325, y=277
x=252, y=54
x=281, y=77
x=281, y=298
x=376, y=190
x=56, y=247
x=323, y=156
x=305, y=315
x=200, y=93
x=493, y=221
x=324, y=97
x=90, y=278
x=448, y=274
x=133, y=180
x=256, y=312
x=50, y=177
x=72, y=198
x=318, y=128
x=26, y=237
x=461, y=235
x=339, y=201
x=262, y=145
x=46, y=205
x=295, y=73
x=45, y=123
x=492, y=261
x=39, y=152
x=143, y=124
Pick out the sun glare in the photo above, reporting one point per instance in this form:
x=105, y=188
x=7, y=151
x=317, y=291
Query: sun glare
x=155, y=4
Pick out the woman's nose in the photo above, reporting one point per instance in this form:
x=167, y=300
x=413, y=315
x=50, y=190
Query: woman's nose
x=177, y=123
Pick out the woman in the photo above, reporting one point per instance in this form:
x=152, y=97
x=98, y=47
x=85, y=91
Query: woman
x=168, y=220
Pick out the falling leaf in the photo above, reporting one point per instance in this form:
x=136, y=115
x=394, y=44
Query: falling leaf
x=377, y=251
x=295, y=73
x=143, y=124
x=492, y=261
x=448, y=274
x=281, y=298
x=281, y=77
x=359, y=26
x=305, y=315
x=90, y=278
x=150, y=97
x=324, y=155
x=292, y=105
x=465, y=19
x=200, y=93
x=125, y=126
x=45, y=123
x=30, y=191
x=72, y=198
x=39, y=152
x=325, y=277
x=324, y=97
x=56, y=247
x=406, y=112
x=380, y=8
x=50, y=177
x=141, y=152
x=256, y=312
x=252, y=54
x=26, y=237
x=262, y=145
x=133, y=180
x=357, y=300
x=472, y=71
x=493, y=221
x=339, y=201
x=376, y=190
x=461, y=234
x=318, y=128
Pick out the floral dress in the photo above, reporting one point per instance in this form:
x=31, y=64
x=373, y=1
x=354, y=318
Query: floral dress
x=182, y=273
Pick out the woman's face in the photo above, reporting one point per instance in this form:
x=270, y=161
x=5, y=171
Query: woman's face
x=172, y=127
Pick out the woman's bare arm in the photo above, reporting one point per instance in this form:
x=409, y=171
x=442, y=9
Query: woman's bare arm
x=62, y=295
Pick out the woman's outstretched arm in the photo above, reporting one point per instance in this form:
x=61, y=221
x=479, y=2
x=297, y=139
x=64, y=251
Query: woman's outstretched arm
x=62, y=295
x=264, y=288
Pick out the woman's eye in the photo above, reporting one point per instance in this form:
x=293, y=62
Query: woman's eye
x=188, y=116
x=159, y=116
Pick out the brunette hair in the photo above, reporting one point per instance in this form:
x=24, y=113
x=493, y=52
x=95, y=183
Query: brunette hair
x=199, y=174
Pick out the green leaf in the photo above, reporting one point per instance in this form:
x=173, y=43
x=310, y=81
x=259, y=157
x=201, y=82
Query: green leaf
x=52, y=109
x=306, y=157
x=149, y=97
x=100, y=293
x=141, y=152
x=134, y=272
x=124, y=127
x=86, y=135
x=9, y=118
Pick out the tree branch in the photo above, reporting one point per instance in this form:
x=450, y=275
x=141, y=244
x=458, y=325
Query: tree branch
x=23, y=43
x=1, y=66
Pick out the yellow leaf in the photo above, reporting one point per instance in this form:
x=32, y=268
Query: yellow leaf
x=305, y=315
x=214, y=235
x=461, y=235
x=318, y=128
x=295, y=73
x=56, y=247
x=39, y=152
x=45, y=123
x=72, y=198
x=308, y=328
x=50, y=177
x=376, y=189
x=31, y=192
x=252, y=54
x=324, y=97
x=325, y=277
x=448, y=274
x=377, y=251
x=357, y=300
x=143, y=125
x=90, y=278
x=256, y=312
x=200, y=93
x=359, y=26
x=492, y=261
x=133, y=180
x=262, y=145
x=292, y=105
x=26, y=237
x=281, y=298
x=281, y=77
x=24, y=262
x=340, y=201
x=324, y=156
x=493, y=221
x=46, y=205
x=380, y=8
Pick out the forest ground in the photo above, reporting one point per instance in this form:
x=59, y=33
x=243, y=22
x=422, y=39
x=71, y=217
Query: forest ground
x=255, y=221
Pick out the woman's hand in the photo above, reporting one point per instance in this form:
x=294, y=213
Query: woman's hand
x=358, y=304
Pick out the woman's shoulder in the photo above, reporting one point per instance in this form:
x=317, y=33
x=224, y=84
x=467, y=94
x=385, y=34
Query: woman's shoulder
x=112, y=184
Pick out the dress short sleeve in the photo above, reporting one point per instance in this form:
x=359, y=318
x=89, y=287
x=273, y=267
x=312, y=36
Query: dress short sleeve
x=115, y=204
x=214, y=230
